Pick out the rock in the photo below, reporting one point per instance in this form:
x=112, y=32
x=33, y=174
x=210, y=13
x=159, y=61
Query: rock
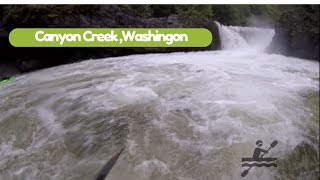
x=86, y=16
x=297, y=33
x=25, y=65
x=7, y=71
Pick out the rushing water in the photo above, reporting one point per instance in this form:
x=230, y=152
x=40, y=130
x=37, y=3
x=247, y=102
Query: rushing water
x=181, y=116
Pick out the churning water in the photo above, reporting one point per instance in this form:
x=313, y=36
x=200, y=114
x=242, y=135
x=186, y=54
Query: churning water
x=181, y=116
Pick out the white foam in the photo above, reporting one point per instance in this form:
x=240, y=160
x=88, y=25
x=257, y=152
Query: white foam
x=147, y=168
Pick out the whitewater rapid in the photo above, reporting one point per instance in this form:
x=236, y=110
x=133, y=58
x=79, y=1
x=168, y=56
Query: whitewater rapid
x=180, y=116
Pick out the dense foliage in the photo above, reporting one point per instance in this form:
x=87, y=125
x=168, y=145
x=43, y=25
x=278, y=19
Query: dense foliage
x=244, y=15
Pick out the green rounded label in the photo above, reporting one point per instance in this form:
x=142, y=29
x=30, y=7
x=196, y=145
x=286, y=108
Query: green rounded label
x=110, y=37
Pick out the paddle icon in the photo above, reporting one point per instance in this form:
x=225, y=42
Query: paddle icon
x=103, y=173
x=273, y=144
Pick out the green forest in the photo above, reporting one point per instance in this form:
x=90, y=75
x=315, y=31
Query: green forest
x=243, y=15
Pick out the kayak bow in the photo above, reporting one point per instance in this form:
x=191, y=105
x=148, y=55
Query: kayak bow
x=7, y=80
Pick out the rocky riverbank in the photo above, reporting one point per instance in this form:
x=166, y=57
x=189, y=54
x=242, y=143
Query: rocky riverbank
x=297, y=33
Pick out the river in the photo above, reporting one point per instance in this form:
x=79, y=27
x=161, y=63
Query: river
x=180, y=116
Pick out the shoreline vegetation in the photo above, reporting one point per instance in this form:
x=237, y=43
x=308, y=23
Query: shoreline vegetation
x=296, y=29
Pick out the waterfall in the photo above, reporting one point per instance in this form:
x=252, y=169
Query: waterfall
x=237, y=37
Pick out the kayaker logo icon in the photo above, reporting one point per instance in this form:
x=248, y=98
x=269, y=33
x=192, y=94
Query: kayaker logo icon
x=257, y=159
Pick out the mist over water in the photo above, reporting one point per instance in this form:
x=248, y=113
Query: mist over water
x=181, y=116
